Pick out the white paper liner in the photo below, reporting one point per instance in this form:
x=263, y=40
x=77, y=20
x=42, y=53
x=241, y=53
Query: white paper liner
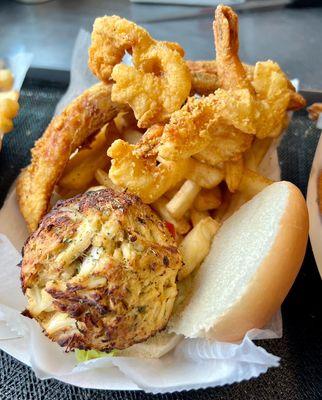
x=193, y=364
x=312, y=204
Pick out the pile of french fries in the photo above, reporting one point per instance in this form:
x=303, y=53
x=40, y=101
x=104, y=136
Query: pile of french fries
x=196, y=207
x=9, y=105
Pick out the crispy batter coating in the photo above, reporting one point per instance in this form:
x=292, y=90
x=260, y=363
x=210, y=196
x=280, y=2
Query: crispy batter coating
x=258, y=107
x=231, y=73
x=205, y=81
x=66, y=132
x=159, y=81
x=190, y=129
x=228, y=144
x=112, y=36
x=100, y=272
x=137, y=169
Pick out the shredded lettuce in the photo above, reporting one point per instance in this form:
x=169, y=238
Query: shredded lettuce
x=85, y=355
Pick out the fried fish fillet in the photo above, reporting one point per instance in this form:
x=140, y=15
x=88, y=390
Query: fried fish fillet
x=66, y=132
x=100, y=272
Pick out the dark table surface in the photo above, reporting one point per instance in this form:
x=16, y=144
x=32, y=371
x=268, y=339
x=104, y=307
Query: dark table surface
x=291, y=37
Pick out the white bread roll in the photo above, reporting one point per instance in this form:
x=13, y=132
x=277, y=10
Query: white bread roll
x=253, y=261
x=155, y=347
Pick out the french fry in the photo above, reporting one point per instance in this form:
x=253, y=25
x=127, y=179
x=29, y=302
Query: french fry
x=256, y=153
x=6, y=79
x=195, y=246
x=104, y=180
x=196, y=216
x=95, y=188
x=181, y=225
x=11, y=94
x=9, y=107
x=233, y=174
x=125, y=120
x=208, y=199
x=253, y=183
x=6, y=124
x=183, y=199
x=171, y=192
x=132, y=136
x=80, y=170
x=219, y=214
x=204, y=175
x=236, y=201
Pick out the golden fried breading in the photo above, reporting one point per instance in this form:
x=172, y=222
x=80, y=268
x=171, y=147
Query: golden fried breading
x=257, y=108
x=112, y=36
x=190, y=129
x=205, y=81
x=159, y=80
x=142, y=175
x=231, y=73
x=66, y=132
x=100, y=272
x=227, y=145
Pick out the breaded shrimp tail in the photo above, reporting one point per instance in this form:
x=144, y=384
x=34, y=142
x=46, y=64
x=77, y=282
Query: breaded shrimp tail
x=66, y=132
x=231, y=72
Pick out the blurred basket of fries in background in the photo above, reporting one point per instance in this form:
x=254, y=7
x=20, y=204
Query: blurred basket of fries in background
x=187, y=137
x=9, y=105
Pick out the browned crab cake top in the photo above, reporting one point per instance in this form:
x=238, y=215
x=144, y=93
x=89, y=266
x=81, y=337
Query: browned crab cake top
x=100, y=272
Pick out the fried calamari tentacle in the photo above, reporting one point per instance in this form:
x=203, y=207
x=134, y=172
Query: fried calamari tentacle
x=82, y=118
x=137, y=169
x=159, y=81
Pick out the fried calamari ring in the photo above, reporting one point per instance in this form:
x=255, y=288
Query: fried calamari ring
x=66, y=132
x=159, y=81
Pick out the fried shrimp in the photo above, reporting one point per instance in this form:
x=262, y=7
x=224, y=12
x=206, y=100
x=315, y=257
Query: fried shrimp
x=190, y=129
x=207, y=123
x=204, y=81
x=138, y=169
x=159, y=81
x=66, y=132
x=266, y=98
x=240, y=107
x=231, y=73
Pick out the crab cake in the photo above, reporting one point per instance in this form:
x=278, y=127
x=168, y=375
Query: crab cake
x=100, y=272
